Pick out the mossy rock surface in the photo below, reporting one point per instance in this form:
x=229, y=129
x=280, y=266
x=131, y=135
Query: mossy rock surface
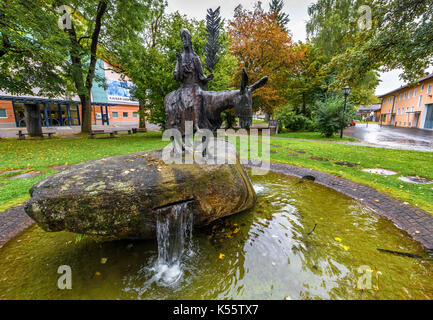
x=120, y=197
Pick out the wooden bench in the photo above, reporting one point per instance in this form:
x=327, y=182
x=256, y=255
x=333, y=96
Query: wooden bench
x=137, y=130
x=22, y=136
x=49, y=134
x=124, y=130
x=96, y=132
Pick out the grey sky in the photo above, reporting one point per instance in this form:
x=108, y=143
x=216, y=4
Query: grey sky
x=297, y=9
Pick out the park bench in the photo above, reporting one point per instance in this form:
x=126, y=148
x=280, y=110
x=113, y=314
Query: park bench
x=273, y=127
x=97, y=132
x=22, y=136
x=123, y=130
x=137, y=130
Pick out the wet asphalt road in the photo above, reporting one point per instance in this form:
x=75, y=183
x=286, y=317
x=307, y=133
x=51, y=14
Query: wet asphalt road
x=392, y=137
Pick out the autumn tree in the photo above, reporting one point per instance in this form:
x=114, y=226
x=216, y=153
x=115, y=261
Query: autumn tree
x=264, y=49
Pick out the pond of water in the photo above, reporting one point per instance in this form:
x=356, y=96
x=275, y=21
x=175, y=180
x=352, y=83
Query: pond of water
x=301, y=241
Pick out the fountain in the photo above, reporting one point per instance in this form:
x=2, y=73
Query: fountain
x=123, y=197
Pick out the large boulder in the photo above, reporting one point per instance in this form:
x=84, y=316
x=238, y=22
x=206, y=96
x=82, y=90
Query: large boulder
x=120, y=197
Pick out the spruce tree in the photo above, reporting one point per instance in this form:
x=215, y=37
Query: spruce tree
x=281, y=18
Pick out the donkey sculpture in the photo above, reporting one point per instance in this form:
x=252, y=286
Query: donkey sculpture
x=191, y=103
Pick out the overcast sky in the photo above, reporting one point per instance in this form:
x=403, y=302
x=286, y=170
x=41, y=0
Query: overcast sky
x=297, y=9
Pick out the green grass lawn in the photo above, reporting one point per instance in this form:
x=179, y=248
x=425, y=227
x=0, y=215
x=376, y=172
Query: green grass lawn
x=411, y=163
x=313, y=136
x=40, y=155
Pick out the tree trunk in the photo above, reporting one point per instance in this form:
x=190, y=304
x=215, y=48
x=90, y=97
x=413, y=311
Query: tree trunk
x=141, y=115
x=33, y=120
x=304, y=106
x=86, y=121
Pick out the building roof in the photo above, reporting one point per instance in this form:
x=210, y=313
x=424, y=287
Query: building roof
x=371, y=107
x=426, y=77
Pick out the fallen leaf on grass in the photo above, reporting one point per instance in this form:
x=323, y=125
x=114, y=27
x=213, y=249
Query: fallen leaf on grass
x=343, y=247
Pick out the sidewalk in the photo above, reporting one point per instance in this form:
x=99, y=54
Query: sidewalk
x=12, y=132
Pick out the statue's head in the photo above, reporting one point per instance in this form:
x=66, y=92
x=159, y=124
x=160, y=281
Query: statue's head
x=244, y=102
x=186, y=38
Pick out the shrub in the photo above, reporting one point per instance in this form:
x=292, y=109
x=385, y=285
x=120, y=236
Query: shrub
x=294, y=122
x=329, y=115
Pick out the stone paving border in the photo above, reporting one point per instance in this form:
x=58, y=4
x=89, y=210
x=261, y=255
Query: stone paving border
x=12, y=222
x=416, y=222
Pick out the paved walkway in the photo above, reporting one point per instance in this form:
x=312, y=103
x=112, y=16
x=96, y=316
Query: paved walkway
x=417, y=223
x=12, y=223
x=392, y=137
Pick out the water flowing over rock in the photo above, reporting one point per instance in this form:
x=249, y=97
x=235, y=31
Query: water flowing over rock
x=174, y=234
x=121, y=197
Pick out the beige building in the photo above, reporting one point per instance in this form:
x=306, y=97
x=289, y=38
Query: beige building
x=409, y=106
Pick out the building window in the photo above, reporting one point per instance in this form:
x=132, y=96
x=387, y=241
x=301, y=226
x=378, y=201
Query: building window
x=409, y=95
x=429, y=89
x=135, y=115
x=420, y=101
x=407, y=109
x=114, y=114
x=3, y=113
x=125, y=114
x=422, y=87
x=413, y=109
x=414, y=93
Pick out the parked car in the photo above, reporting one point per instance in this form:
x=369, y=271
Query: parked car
x=352, y=124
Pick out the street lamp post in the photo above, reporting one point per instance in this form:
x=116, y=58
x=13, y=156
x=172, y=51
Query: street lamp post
x=346, y=92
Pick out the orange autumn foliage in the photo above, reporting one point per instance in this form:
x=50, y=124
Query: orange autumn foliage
x=264, y=49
